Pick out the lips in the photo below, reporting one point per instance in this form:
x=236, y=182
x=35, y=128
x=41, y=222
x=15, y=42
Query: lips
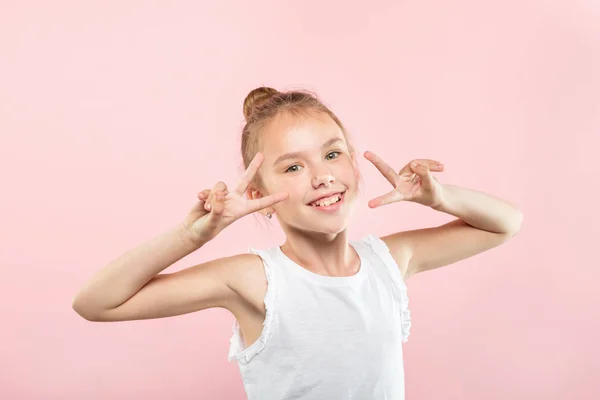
x=325, y=196
x=341, y=194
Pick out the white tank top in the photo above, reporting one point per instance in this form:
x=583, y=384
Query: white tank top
x=328, y=337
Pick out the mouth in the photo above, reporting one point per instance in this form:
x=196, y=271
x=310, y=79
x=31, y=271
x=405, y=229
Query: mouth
x=330, y=204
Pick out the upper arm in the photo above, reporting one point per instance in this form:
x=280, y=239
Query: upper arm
x=435, y=247
x=196, y=288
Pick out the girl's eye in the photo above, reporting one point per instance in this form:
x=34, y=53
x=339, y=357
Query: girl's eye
x=336, y=152
x=296, y=165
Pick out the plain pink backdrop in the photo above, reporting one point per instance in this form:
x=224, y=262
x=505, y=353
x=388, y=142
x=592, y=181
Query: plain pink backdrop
x=113, y=115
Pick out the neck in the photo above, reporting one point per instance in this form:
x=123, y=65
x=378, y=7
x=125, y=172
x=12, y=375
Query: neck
x=323, y=254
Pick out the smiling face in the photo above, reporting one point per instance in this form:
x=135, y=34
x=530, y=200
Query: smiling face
x=308, y=157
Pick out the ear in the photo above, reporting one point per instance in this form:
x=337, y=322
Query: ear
x=252, y=193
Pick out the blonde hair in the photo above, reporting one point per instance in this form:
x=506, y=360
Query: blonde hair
x=264, y=103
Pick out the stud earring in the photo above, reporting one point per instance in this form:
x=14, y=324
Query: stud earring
x=269, y=214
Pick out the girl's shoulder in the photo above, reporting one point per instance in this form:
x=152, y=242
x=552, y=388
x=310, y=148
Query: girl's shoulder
x=247, y=277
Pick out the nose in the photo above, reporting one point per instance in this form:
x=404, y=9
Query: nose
x=325, y=178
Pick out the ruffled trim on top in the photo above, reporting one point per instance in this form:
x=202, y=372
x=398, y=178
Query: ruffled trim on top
x=236, y=349
x=399, y=287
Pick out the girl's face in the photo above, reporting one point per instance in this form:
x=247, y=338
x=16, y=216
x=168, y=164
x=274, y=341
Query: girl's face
x=307, y=157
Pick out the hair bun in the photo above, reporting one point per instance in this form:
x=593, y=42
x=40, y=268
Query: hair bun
x=255, y=97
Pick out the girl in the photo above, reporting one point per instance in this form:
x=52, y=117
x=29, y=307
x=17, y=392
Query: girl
x=321, y=316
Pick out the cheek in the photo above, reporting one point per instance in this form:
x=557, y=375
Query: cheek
x=298, y=193
x=295, y=189
x=349, y=174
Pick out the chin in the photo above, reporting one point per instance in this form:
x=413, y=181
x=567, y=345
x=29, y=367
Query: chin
x=331, y=227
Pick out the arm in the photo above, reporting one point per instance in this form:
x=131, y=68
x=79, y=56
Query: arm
x=131, y=287
x=484, y=222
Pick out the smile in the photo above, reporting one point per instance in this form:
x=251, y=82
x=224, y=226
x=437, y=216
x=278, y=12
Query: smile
x=330, y=204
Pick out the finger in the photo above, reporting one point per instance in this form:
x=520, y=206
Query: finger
x=203, y=195
x=387, y=198
x=423, y=173
x=248, y=175
x=218, y=204
x=200, y=205
x=215, y=215
x=431, y=164
x=219, y=186
x=267, y=201
x=209, y=199
x=418, y=169
x=388, y=172
x=214, y=200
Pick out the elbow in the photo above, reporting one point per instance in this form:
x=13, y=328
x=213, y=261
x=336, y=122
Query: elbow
x=81, y=311
x=84, y=312
x=514, y=226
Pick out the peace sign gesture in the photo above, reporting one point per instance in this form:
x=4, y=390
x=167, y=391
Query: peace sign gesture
x=218, y=208
x=414, y=182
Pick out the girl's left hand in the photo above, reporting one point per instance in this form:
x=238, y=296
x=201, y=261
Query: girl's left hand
x=414, y=182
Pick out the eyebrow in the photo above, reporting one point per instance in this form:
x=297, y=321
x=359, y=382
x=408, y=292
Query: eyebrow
x=296, y=154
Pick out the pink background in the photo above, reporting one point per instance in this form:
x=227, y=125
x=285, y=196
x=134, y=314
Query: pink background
x=114, y=115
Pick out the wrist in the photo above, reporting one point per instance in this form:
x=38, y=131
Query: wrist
x=188, y=237
x=442, y=205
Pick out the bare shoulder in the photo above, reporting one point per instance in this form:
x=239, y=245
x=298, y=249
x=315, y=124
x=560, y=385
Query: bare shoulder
x=248, y=281
x=400, y=252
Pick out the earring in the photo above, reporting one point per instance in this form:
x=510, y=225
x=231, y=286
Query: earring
x=269, y=214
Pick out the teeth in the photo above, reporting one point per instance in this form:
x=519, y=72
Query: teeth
x=328, y=201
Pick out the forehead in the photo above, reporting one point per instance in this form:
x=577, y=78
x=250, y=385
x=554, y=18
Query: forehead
x=298, y=133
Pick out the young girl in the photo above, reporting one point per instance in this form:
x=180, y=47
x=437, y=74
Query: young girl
x=321, y=316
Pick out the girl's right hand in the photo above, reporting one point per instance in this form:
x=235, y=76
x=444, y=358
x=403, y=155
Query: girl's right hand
x=217, y=208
